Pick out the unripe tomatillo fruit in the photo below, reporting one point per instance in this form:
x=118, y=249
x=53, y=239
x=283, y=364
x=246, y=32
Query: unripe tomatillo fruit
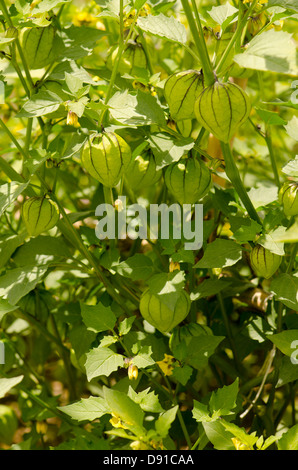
x=105, y=156
x=186, y=333
x=288, y=197
x=141, y=172
x=188, y=180
x=159, y=315
x=181, y=91
x=221, y=108
x=264, y=262
x=133, y=56
x=39, y=214
x=38, y=46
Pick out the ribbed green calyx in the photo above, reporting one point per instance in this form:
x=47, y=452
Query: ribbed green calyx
x=38, y=46
x=141, y=172
x=133, y=56
x=221, y=108
x=39, y=214
x=188, y=180
x=288, y=197
x=105, y=156
x=264, y=262
x=181, y=91
x=159, y=315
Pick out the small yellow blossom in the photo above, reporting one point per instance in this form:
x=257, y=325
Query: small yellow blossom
x=72, y=119
x=117, y=422
x=41, y=427
x=239, y=445
x=174, y=266
x=133, y=372
x=167, y=364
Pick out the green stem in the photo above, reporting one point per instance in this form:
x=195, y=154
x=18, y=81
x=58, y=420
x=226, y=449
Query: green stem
x=272, y=157
x=200, y=43
x=234, y=176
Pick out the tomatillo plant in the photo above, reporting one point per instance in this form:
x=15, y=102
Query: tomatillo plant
x=148, y=231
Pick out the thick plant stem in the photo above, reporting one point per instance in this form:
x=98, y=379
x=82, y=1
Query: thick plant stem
x=200, y=44
x=234, y=176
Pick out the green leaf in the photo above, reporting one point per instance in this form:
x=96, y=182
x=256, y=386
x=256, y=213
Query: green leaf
x=9, y=245
x=289, y=439
x=263, y=194
x=201, y=413
x=219, y=436
x=6, y=307
x=182, y=374
x=270, y=117
x=220, y=253
x=126, y=409
x=143, y=358
x=291, y=168
x=269, y=242
x=140, y=109
x=102, y=361
x=9, y=192
x=167, y=286
x=87, y=409
x=248, y=439
x=223, y=400
x=164, y=421
x=288, y=4
x=285, y=288
x=125, y=325
x=200, y=349
x=164, y=27
x=272, y=51
x=98, y=318
x=136, y=267
x=7, y=384
x=224, y=14
x=292, y=128
x=286, y=341
x=17, y=282
x=209, y=287
x=41, y=250
x=42, y=103
x=167, y=149
x=244, y=229
x=147, y=400
x=47, y=5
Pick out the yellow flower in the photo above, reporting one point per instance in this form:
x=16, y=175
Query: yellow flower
x=167, y=364
x=84, y=18
x=239, y=445
x=117, y=422
x=133, y=372
x=72, y=119
x=174, y=266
